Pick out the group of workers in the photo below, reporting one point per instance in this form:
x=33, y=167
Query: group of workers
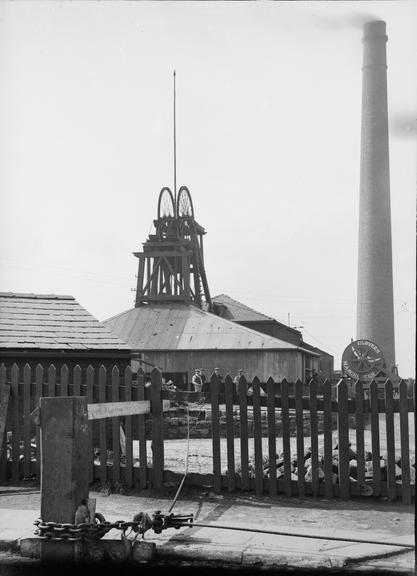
x=200, y=384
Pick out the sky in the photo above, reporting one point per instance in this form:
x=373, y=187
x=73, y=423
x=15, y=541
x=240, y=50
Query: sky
x=268, y=143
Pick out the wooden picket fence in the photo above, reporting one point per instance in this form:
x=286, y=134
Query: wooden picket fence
x=119, y=451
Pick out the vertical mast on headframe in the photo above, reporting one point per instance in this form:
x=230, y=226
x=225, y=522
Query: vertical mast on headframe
x=175, y=146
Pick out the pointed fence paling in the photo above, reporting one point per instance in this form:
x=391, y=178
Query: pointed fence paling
x=331, y=454
x=113, y=442
x=270, y=422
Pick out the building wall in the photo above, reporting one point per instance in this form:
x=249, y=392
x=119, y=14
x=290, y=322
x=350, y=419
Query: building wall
x=82, y=359
x=276, y=363
x=276, y=330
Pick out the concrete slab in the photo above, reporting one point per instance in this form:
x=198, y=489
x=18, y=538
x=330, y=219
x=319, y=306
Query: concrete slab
x=208, y=546
x=16, y=524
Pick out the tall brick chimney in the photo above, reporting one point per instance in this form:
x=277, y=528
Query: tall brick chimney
x=375, y=302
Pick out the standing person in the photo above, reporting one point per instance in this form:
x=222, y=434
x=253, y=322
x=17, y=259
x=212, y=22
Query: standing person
x=236, y=380
x=219, y=380
x=203, y=380
x=196, y=381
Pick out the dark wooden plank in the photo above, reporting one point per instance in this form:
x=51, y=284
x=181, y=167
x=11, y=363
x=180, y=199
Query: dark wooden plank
x=4, y=408
x=272, y=446
x=143, y=458
x=389, y=424
x=299, y=421
x=286, y=441
x=215, y=424
x=64, y=380
x=257, y=435
x=128, y=430
x=51, y=381
x=314, y=438
x=157, y=430
x=90, y=400
x=405, y=448
x=360, y=427
x=102, y=381
x=5, y=392
x=27, y=375
x=64, y=481
x=3, y=374
x=230, y=441
x=328, y=439
x=38, y=394
x=115, y=425
x=243, y=418
x=15, y=375
x=376, y=452
x=343, y=439
x=76, y=375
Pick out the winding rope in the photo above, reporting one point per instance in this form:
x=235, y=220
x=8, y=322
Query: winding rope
x=279, y=533
x=186, y=463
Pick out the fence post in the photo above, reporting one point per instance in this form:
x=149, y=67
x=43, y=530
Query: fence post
x=376, y=452
x=38, y=393
x=272, y=446
x=115, y=424
x=16, y=429
x=215, y=426
x=360, y=440
x=157, y=430
x=299, y=419
x=328, y=438
x=343, y=438
x=141, y=423
x=405, y=440
x=4, y=405
x=243, y=418
x=314, y=433
x=257, y=435
x=64, y=453
x=64, y=474
x=389, y=425
x=27, y=424
x=229, y=388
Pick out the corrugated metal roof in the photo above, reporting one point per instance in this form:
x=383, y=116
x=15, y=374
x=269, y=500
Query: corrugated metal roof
x=48, y=321
x=181, y=327
x=240, y=312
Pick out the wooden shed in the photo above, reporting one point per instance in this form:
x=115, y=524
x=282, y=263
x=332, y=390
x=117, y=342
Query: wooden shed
x=46, y=328
x=177, y=338
x=229, y=308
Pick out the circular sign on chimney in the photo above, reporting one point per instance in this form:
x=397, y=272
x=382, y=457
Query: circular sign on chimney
x=363, y=360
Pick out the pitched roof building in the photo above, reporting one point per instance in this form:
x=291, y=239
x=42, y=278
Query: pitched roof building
x=227, y=307
x=178, y=338
x=47, y=327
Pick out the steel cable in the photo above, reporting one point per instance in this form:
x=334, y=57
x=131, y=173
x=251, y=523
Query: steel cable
x=186, y=463
x=280, y=533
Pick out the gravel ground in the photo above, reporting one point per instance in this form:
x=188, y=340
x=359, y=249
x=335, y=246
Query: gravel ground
x=200, y=450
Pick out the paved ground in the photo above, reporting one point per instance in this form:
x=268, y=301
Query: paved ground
x=207, y=547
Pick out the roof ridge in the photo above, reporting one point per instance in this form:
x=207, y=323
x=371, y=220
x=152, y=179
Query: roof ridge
x=33, y=296
x=245, y=306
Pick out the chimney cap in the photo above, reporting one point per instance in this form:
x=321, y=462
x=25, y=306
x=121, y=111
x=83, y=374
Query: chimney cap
x=375, y=28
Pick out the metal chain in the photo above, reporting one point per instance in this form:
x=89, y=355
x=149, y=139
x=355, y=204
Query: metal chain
x=141, y=523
